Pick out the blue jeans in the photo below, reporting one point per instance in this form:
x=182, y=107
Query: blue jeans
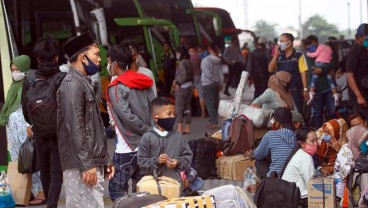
x=211, y=98
x=321, y=101
x=329, y=78
x=126, y=168
x=298, y=97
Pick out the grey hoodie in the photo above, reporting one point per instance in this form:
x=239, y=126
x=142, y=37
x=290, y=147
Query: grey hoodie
x=174, y=145
x=212, y=71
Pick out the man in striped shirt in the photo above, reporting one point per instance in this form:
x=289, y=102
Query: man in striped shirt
x=278, y=143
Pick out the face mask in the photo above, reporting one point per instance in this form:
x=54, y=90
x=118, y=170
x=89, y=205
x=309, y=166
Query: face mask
x=91, y=68
x=312, y=48
x=166, y=123
x=326, y=137
x=283, y=46
x=178, y=56
x=17, y=75
x=274, y=127
x=310, y=149
x=287, y=87
x=363, y=147
x=110, y=70
x=365, y=43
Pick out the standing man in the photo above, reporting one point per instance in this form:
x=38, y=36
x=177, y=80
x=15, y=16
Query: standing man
x=287, y=59
x=212, y=82
x=169, y=62
x=82, y=146
x=128, y=97
x=258, y=67
x=357, y=71
x=233, y=58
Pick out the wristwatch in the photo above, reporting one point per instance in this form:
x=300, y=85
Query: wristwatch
x=305, y=89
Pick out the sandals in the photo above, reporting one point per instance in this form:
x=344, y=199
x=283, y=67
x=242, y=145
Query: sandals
x=37, y=202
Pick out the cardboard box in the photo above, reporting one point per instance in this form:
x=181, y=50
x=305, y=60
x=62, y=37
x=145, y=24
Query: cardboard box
x=205, y=201
x=233, y=167
x=20, y=185
x=315, y=192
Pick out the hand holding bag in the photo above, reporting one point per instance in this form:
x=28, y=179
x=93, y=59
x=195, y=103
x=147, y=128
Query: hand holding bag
x=27, y=158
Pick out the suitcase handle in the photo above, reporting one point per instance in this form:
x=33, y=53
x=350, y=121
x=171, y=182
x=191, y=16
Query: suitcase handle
x=158, y=183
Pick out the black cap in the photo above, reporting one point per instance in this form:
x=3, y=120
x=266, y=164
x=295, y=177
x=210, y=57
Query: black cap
x=284, y=117
x=75, y=44
x=362, y=30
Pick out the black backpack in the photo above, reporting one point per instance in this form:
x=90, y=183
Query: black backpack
x=41, y=103
x=204, y=156
x=354, y=179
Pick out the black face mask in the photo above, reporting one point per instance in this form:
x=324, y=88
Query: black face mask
x=166, y=123
x=287, y=87
x=91, y=68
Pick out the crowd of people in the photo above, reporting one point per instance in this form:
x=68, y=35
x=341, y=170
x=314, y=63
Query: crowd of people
x=74, y=151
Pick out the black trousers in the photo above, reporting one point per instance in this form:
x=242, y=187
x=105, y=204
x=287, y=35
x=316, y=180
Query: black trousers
x=262, y=167
x=50, y=168
x=234, y=76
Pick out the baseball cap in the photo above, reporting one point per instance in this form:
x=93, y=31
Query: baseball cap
x=362, y=30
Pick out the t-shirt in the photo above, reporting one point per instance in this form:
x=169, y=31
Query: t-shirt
x=357, y=63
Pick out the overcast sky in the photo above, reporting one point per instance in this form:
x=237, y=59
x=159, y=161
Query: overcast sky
x=286, y=12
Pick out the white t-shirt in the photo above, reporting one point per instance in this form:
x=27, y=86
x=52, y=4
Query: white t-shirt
x=299, y=170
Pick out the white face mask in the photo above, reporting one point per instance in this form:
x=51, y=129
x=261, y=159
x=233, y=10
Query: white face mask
x=178, y=56
x=283, y=46
x=110, y=70
x=17, y=75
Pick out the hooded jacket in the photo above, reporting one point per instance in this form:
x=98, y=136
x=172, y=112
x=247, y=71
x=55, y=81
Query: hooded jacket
x=279, y=143
x=129, y=97
x=80, y=130
x=212, y=71
x=174, y=145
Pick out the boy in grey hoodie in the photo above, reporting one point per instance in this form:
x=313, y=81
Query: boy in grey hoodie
x=164, y=150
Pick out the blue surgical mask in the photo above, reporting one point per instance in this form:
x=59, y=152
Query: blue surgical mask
x=283, y=46
x=312, y=48
x=365, y=43
x=363, y=147
x=91, y=68
x=326, y=137
x=166, y=123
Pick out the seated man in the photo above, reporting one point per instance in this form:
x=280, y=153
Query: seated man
x=278, y=143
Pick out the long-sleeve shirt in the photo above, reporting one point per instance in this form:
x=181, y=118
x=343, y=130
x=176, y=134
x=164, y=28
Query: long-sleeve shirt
x=212, y=71
x=299, y=170
x=323, y=54
x=279, y=143
x=344, y=160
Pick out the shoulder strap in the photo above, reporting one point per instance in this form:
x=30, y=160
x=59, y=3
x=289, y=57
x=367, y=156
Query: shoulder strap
x=295, y=149
x=31, y=77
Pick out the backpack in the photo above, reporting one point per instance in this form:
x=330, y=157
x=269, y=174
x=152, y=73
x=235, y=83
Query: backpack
x=241, y=137
x=41, y=103
x=354, y=183
x=204, y=156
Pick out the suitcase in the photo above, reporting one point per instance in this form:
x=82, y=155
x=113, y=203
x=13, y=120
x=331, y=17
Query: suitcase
x=135, y=200
x=233, y=167
x=230, y=196
x=169, y=187
x=204, y=201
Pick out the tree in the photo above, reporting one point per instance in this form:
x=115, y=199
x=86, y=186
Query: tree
x=318, y=26
x=265, y=29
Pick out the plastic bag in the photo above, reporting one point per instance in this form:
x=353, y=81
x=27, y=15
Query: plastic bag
x=6, y=198
x=27, y=159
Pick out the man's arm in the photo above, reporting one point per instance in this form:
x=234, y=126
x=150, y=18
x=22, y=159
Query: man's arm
x=120, y=104
x=354, y=87
x=303, y=69
x=273, y=63
x=263, y=148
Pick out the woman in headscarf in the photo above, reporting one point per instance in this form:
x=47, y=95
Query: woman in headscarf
x=331, y=137
x=350, y=151
x=277, y=93
x=11, y=115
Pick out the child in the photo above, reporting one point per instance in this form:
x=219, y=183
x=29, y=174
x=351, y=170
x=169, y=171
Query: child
x=323, y=55
x=164, y=151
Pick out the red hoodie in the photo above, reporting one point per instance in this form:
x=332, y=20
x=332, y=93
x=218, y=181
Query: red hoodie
x=131, y=79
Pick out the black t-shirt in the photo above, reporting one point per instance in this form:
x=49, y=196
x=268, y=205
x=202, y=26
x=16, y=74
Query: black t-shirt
x=357, y=63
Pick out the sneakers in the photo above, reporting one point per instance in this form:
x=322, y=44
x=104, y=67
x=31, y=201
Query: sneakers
x=311, y=95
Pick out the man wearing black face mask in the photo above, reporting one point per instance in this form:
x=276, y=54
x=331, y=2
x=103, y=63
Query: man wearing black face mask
x=128, y=97
x=82, y=146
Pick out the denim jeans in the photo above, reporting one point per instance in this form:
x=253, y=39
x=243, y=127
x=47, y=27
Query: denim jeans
x=50, y=168
x=297, y=94
x=126, y=168
x=211, y=98
x=321, y=101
